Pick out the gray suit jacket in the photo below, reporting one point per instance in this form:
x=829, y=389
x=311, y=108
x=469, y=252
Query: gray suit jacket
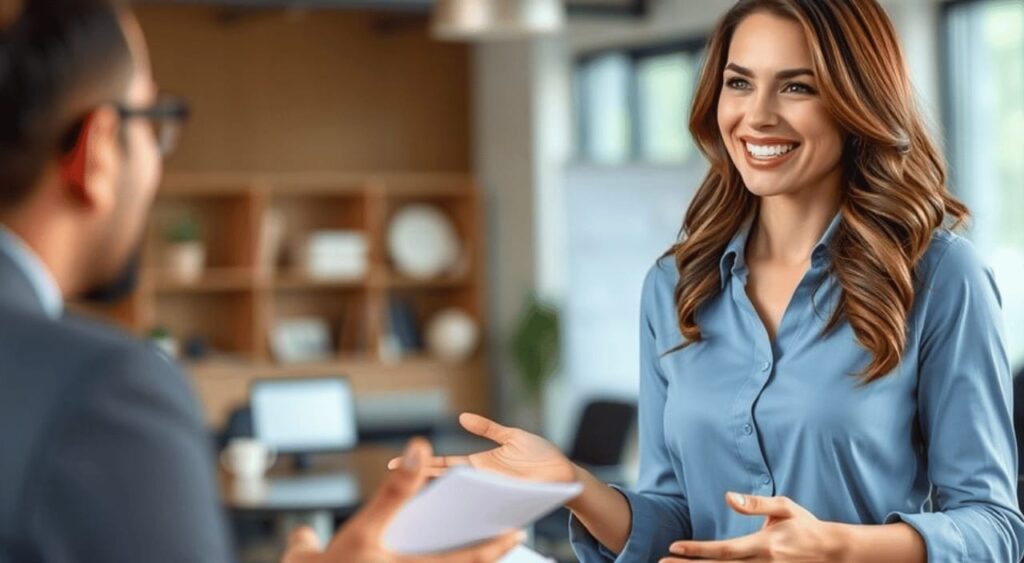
x=103, y=453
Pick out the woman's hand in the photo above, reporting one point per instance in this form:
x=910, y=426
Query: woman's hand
x=361, y=539
x=790, y=533
x=519, y=454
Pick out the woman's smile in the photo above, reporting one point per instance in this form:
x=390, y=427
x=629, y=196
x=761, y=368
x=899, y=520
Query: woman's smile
x=767, y=153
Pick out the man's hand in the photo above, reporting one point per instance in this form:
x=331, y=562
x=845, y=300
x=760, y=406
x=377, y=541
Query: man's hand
x=361, y=539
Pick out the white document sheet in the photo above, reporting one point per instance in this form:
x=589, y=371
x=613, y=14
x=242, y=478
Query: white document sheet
x=466, y=505
x=523, y=554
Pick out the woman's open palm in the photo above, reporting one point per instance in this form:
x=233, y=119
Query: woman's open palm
x=519, y=454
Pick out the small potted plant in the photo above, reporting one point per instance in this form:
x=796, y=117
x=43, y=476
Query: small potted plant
x=186, y=253
x=537, y=352
x=164, y=340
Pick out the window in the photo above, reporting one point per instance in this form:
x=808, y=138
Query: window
x=634, y=105
x=985, y=120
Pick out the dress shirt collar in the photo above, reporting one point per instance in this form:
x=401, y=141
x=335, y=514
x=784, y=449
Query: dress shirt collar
x=733, y=261
x=35, y=271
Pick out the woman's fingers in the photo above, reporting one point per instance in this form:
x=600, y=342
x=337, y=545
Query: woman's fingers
x=486, y=428
x=743, y=547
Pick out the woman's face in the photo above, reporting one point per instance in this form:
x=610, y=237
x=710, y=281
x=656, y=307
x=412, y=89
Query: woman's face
x=773, y=122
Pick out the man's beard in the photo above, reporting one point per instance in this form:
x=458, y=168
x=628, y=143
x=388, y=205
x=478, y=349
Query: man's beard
x=121, y=285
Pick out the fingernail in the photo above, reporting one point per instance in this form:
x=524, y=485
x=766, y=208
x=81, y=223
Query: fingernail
x=521, y=536
x=410, y=460
x=738, y=499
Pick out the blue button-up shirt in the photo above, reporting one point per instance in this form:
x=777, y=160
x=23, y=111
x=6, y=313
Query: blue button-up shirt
x=34, y=270
x=739, y=412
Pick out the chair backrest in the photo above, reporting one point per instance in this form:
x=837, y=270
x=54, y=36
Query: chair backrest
x=603, y=432
x=238, y=425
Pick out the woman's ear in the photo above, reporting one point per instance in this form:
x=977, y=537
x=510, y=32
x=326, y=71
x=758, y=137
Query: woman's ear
x=89, y=171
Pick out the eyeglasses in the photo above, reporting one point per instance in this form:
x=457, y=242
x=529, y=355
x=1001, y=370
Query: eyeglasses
x=166, y=117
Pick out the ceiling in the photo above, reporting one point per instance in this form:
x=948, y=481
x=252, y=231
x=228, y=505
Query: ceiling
x=630, y=8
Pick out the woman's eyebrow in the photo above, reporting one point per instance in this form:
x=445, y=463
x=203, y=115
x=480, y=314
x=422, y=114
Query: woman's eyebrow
x=781, y=75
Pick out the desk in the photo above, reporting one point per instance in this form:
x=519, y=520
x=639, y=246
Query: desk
x=335, y=485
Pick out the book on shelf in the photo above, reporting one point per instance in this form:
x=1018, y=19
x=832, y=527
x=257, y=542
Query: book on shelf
x=403, y=325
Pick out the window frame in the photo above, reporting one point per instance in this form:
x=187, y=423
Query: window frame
x=635, y=56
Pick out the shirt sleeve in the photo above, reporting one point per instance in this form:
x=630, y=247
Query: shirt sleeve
x=660, y=514
x=127, y=474
x=965, y=417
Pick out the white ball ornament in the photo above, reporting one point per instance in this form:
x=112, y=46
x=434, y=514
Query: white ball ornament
x=452, y=335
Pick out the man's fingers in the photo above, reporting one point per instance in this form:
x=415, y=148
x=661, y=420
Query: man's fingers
x=401, y=485
x=485, y=427
x=303, y=546
x=435, y=462
x=491, y=550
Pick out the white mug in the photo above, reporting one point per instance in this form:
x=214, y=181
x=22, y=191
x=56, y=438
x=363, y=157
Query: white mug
x=247, y=458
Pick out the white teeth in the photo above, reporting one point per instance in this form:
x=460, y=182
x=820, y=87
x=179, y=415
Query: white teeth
x=768, y=151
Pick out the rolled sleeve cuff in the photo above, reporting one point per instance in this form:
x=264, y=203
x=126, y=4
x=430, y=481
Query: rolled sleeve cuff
x=649, y=537
x=943, y=540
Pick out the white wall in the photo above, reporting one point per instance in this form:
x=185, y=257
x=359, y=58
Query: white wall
x=503, y=78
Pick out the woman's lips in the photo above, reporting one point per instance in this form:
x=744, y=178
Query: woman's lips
x=767, y=164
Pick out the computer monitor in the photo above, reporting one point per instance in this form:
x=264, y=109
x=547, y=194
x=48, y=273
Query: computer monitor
x=300, y=415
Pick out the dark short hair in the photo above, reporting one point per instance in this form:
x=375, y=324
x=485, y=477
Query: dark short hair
x=59, y=59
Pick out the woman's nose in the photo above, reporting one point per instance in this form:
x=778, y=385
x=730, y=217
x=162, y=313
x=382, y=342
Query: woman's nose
x=761, y=111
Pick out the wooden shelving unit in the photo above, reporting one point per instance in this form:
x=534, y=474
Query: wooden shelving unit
x=233, y=306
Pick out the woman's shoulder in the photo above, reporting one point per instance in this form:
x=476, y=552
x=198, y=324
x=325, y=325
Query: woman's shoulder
x=660, y=284
x=950, y=256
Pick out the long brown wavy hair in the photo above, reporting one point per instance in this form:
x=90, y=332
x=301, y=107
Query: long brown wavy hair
x=894, y=178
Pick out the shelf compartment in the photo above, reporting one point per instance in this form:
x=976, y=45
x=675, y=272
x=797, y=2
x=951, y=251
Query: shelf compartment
x=345, y=310
x=460, y=210
x=223, y=320
x=302, y=212
x=226, y=221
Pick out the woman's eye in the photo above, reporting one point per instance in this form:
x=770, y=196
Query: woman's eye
x=798, y=88
x=737, y=83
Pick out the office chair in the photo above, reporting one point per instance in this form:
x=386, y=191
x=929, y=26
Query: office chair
x=603, y=432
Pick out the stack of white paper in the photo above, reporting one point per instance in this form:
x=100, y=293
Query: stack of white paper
x=466, y=505
x=523, y=554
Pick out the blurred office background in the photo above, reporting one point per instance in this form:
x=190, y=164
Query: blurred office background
x=368, y=190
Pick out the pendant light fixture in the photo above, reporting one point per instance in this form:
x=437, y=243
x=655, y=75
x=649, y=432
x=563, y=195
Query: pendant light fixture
x=483, y=20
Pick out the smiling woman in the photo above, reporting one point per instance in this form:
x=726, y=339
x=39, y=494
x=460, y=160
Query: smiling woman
x=820, y=355
x=845, y=107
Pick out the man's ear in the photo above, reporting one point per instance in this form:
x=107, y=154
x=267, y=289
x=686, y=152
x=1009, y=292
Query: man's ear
x=90, y=170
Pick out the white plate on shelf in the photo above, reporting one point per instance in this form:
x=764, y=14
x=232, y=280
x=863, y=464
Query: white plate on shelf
x=422, y=241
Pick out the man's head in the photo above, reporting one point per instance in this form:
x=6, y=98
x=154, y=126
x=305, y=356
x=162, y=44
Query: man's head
x=78, y=162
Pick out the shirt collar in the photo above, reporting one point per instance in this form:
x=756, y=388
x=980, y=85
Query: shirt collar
x=734, y=263
x=35, y=271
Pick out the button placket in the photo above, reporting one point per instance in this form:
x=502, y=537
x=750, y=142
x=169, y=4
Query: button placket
x=762, y=361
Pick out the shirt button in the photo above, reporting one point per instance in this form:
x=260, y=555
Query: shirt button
x=766, y=366
x=748, y=429
x=766, y=480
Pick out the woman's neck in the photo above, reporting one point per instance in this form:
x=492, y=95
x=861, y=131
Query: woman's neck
x=788, y=226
